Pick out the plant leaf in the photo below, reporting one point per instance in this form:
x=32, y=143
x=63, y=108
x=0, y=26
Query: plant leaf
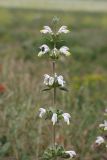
x=46, y=89
x=63, y=89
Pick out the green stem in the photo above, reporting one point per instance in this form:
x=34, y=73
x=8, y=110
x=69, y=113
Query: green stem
x=54, y=104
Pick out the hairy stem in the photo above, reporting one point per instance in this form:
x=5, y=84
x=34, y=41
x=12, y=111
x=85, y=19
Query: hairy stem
x=54, y=103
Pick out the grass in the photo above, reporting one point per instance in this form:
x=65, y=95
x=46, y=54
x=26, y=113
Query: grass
x=22, y=134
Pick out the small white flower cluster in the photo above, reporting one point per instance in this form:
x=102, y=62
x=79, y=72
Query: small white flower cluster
x=54, y=119
x=104, y=125
x=44, y=49
x=99, y=140
x=48, y=30
x=71, y=153
x=66, y=117
x=57, y=80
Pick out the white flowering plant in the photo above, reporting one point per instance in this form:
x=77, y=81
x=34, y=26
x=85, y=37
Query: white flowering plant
x=55, y=81
x=102, y=140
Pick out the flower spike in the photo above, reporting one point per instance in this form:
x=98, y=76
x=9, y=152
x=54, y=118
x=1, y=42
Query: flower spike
x=55, y=81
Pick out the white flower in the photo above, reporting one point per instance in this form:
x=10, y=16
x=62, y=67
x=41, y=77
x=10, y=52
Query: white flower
x=55, y=52
x=64, y=50
x=46, y=29
x=66, y=117
x=44, y=49
x=71, y=153
x=104, y=125
x=54, y=118
x=51, y=81
x=42, y=112
x=48, y=80
x=60, y=80
x=63, y=29
x=99, y=140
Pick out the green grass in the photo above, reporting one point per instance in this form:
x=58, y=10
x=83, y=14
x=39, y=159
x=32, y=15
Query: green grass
x=22, y=134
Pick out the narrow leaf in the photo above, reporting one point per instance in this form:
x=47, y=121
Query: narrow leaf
x=63, y=89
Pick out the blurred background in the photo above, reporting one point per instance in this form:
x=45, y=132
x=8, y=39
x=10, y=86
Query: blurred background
x=23, y=136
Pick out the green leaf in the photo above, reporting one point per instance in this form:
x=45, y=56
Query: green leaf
x=46, y=89
x=63, y=89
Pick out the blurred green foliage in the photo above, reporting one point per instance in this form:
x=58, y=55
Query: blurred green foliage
x=22, y=134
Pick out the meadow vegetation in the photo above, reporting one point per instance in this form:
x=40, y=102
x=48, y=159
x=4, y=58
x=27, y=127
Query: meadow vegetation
x=22, y=134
